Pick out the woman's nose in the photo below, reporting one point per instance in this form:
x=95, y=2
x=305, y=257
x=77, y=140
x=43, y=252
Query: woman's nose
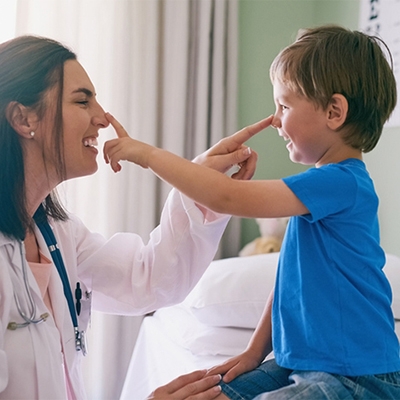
x=99, y=118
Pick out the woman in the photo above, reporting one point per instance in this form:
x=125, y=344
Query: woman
x=49, y=123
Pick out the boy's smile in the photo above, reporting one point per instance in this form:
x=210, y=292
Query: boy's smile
x=304, y=126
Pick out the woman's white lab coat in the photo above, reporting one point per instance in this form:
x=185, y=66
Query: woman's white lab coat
x=121, y=275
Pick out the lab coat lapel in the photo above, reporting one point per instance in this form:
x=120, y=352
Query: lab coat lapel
x=14, y=251
x=43, y=344
x=61, y=315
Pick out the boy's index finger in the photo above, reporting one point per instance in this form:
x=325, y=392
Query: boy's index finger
x=119, y=129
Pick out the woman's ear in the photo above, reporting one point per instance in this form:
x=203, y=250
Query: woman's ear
x=337, y=111
x=23, y=121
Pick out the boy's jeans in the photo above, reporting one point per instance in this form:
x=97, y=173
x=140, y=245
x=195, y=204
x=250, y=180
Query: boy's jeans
x=279, y=383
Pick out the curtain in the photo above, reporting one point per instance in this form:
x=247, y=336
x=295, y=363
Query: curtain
x=167, y=70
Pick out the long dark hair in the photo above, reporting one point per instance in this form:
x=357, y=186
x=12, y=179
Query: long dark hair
x=29, y=67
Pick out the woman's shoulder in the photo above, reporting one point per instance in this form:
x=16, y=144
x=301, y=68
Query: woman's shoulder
x=72, y=227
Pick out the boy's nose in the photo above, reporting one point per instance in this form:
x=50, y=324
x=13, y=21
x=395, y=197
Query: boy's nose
x=276, y=122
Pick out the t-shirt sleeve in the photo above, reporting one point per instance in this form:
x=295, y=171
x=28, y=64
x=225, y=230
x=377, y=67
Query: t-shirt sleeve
x=324, y=191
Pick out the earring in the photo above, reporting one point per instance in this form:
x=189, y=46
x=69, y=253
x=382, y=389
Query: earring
x=32, y=133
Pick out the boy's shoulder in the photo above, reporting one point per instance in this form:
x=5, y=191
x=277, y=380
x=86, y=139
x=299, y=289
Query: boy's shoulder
x=333, y=187
x=349, y=167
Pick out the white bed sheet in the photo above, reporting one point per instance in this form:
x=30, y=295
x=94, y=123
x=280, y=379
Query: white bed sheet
x=157, y=360
x=174, y=342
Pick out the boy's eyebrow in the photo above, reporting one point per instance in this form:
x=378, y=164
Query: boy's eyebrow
x=283, y=98
x=280, y=99
x=86, y=91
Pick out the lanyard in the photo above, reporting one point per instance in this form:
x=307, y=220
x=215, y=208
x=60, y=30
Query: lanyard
x=45, y=228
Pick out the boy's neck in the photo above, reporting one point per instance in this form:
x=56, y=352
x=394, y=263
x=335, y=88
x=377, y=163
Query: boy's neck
x=344, y=154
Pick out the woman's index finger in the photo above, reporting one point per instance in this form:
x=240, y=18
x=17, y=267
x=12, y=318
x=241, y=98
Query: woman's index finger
x=249, y=131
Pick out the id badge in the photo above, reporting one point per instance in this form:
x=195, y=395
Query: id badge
x=80, y=341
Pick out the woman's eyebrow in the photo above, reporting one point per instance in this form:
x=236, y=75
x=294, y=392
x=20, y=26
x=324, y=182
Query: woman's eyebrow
x=86, y=91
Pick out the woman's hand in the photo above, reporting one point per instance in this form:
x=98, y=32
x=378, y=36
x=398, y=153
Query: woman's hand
x=193, y=386
x=238, y=365
x=231, y=151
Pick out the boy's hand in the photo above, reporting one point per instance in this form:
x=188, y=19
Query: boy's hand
x=124, y=148
x=231, y=151
x=226, y=153
x=193, y=386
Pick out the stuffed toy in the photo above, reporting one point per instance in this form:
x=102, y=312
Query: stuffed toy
x=272, y=231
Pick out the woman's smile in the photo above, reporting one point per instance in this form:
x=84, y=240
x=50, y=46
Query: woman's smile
x=91, y=143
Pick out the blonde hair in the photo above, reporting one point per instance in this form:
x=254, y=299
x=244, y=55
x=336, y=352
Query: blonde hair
x=331, y=59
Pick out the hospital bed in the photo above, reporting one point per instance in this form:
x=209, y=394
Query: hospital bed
x=214, y=323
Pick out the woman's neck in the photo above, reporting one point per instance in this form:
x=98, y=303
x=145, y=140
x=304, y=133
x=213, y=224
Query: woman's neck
x=38, y=183
x=31, y=248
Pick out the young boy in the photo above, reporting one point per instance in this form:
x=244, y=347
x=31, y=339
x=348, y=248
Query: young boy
x=329, y=319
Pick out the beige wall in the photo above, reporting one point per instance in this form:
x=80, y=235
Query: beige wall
x=265, y=27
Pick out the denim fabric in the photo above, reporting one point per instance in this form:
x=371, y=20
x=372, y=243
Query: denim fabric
x=269, y=381
x=267, y=377
x=379, y=387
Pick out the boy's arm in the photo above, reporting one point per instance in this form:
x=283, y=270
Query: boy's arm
x=259, y=347
x=228, y=152
x=218, y=192
x=261, y=341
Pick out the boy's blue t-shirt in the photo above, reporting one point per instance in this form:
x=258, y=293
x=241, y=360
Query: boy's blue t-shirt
x=332, y=301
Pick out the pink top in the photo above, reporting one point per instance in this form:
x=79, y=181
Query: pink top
x=42, y=272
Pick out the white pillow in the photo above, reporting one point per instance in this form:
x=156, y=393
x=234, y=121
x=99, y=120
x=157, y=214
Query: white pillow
x=233, y=291
x=184, y=329
x=392, y=271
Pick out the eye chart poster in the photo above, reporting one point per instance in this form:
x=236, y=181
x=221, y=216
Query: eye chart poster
x=382, y=18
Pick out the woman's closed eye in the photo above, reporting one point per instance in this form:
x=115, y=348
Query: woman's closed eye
x=84, y=103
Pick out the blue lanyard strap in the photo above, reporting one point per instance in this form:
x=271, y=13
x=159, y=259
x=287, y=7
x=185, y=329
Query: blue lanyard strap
x=45, y=228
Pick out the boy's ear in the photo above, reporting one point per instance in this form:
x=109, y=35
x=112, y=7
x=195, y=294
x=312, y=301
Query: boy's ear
x=337, y=111
x=21, y=119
